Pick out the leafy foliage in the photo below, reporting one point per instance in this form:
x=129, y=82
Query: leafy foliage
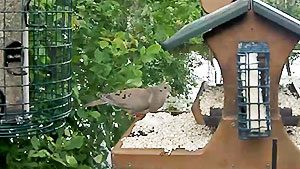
x=291, y=7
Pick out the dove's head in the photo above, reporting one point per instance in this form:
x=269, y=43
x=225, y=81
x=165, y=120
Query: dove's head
x=165, y=87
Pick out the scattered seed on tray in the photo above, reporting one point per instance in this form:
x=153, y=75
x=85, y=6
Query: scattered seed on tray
x=162, y=130
x=165, y=131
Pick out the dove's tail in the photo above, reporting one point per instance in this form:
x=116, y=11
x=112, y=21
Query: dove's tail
x=95, y=103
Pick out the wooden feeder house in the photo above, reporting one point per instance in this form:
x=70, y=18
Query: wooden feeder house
x=251, y=41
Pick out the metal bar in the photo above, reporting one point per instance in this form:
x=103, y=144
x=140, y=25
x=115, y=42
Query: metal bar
x=248, y=84
x=258, y=98
x=274, y=154
x=213, y=121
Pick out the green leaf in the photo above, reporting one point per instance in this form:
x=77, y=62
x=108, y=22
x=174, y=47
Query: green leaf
x=35, y=142
x=97, y=53
x=59, y=143
x=81, y=113
x=137, y=72
x=143, y=51
x=67, y=132
x=81, y=157
x=75, y=142
x=84, y=167
x=153, y=49
x=101, y=70
x=147, y=58
x=96, y=68
x=94, y=114
x=132, y=50
x=137, y=82
x=120, y=35
x=56, y=157
x=98, y=158
x=103, y=44
x=81, y=7
x=76, y=93
x=101, y=56
x=31, y=164
x=120, y=43
x=45, y=60
x=42, y=52
x=42, y=153
x=145, y=11
x=31, y=152
x=85, y=60
x=105, y=39
x=71, y=161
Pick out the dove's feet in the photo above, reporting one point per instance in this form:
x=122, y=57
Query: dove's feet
x=139, y=116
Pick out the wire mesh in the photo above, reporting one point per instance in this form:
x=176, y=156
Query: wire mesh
x=35, y=72
x=253, y=97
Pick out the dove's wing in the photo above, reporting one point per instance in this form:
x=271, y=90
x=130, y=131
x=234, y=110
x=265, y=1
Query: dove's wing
x=134, y=99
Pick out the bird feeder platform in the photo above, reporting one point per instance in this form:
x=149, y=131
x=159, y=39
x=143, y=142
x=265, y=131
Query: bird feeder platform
x=223, y=30
x=180, y=158
x=221, y=152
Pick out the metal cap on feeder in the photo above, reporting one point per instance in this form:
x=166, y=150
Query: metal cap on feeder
x=35, y=56
x=210, y=6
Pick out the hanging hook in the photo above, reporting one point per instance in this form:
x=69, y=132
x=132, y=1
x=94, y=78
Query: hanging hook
x=26, y=10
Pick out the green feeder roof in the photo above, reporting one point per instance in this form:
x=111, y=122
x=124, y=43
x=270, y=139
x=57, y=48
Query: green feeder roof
x=277, y=16
x=227, y=13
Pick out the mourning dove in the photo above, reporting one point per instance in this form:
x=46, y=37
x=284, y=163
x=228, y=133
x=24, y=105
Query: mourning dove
x=136, y=100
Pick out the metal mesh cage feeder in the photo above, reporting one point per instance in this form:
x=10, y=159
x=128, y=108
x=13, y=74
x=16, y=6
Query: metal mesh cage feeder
x=253, y=90
x=35, y=56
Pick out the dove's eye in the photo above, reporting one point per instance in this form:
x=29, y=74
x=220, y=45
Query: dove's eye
x=165, y=87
